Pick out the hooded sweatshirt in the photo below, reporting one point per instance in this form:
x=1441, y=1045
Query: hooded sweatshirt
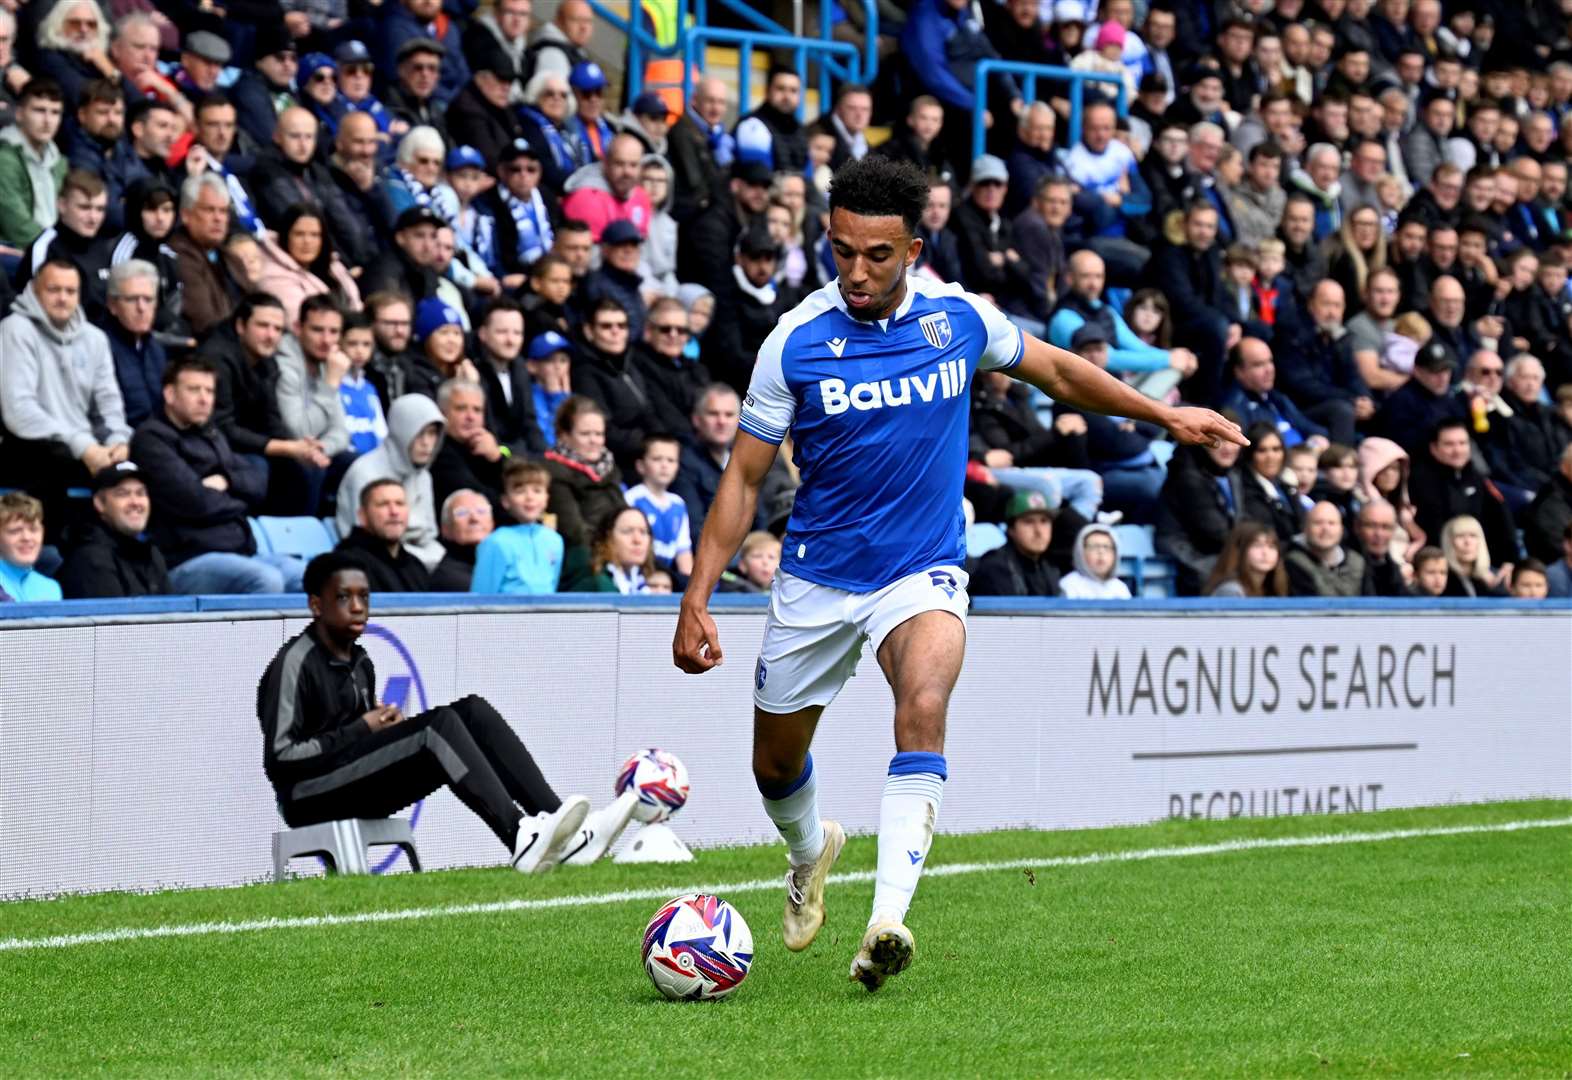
x=1083, y=584
x=590, y=199
x=29, y=182
x=406, y=419
x=658, y=263
x=58, y=383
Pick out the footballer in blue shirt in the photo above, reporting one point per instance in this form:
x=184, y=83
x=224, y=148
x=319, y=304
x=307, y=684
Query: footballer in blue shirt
x=870, y=377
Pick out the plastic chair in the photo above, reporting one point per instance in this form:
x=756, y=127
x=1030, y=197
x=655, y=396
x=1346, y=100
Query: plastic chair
x=302, y=537
x=343, y=845
x=982, y=538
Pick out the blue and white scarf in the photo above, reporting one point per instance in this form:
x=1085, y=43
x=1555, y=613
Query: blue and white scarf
x=561, y=152
x=245, y=214
x=533, y=223
x=723, y=147
x=441, y=198
x=586, y=145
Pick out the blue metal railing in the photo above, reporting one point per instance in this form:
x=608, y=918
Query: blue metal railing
x=641, y=44
x=1030, y=74
x=746, y=41
x=828, y=68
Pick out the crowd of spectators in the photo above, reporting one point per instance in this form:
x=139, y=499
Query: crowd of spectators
x=406, y=266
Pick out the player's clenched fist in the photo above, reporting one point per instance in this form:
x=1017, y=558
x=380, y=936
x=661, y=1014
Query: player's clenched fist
x=696, y=647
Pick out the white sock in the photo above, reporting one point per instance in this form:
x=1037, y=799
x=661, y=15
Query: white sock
x=795, y=810
x=912, y=794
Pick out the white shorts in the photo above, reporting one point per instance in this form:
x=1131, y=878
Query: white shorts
x=813, y=635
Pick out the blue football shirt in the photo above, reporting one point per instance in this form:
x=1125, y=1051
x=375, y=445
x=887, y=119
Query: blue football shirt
x=878, y=413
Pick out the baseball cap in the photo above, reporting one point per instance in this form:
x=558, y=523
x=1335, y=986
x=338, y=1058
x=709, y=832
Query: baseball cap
x=418, y=215
x=650, y=104
x=546, y=344
x=988, y=167
x=496, y=60
x=432, y=315
x=207, y=45
x=1199, y=73
x=353, y=52
x=1435, y=356
x=1089, y=334
x=1026, y=502
x=115, y=475
x=753, y=173
x=465, y=157
x=273, y=38
x=621, y=231
x=756, y=241
x=420, y=44
x=516, y=149
x=587, y=75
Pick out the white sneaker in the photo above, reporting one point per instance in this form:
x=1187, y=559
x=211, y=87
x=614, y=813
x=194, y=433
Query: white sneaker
x=805, y=891
x=600, y=830
x=887, y=949
x=542, y=837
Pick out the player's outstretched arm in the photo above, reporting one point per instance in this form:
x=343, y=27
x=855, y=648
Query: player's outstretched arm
x=1067, y=377
x=696, y=647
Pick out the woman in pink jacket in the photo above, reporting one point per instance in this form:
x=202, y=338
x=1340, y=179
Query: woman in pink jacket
x=302, y=263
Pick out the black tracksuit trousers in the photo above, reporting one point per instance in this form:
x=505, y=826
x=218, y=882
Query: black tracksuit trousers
x=466, y=746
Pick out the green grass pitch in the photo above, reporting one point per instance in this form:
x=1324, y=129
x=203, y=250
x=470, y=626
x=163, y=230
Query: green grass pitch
x=1433, y=955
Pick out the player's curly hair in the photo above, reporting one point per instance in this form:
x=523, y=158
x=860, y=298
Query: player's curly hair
x=877, y=186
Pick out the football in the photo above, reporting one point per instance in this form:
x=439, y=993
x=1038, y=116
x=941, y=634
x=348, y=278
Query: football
x=697, y=948
x=661, y=781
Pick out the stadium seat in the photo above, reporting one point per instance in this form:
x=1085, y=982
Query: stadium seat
x=302, y=537
x=1148, y=573
x=344, y=845
x=982, y=538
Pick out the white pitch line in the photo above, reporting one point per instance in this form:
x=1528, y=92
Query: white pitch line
x=306, y=922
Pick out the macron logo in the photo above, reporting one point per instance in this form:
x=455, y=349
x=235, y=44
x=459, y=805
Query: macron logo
x=837, y=346
x=948, y=381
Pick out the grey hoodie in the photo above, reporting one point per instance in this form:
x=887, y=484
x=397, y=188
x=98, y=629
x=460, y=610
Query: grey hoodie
x=58, y=383
x=308, y=406
x=407, y=418
x=1085, y=585
x=658, y=263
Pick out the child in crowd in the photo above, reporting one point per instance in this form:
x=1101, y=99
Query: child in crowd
x=1338, y=484
x=1410, y=333
x=244, y=260
x=524, y=558
x=1271, y=259
x=659, y=581
x=548, y=362
x=1430, y=572
x=757, y=560
x=1530, y=581
x=1096, y=558
x=363, y=415
x=21, y=541
x=474, y=231
x=1240, y=266
x=1301, y=470
x=700, y=303
x=1389, y=193
x=665, y=510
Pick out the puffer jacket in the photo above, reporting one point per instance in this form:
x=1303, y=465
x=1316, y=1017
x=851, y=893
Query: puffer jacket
x=406, y=419
x=58, y=383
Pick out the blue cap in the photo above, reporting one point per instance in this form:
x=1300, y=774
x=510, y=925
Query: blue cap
x=546, y=344
x=353, y=52
x=465, y=157
x=313, y=62
x=587, y=76
x=650, y=103
x=432, y=315
x=621, y=231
